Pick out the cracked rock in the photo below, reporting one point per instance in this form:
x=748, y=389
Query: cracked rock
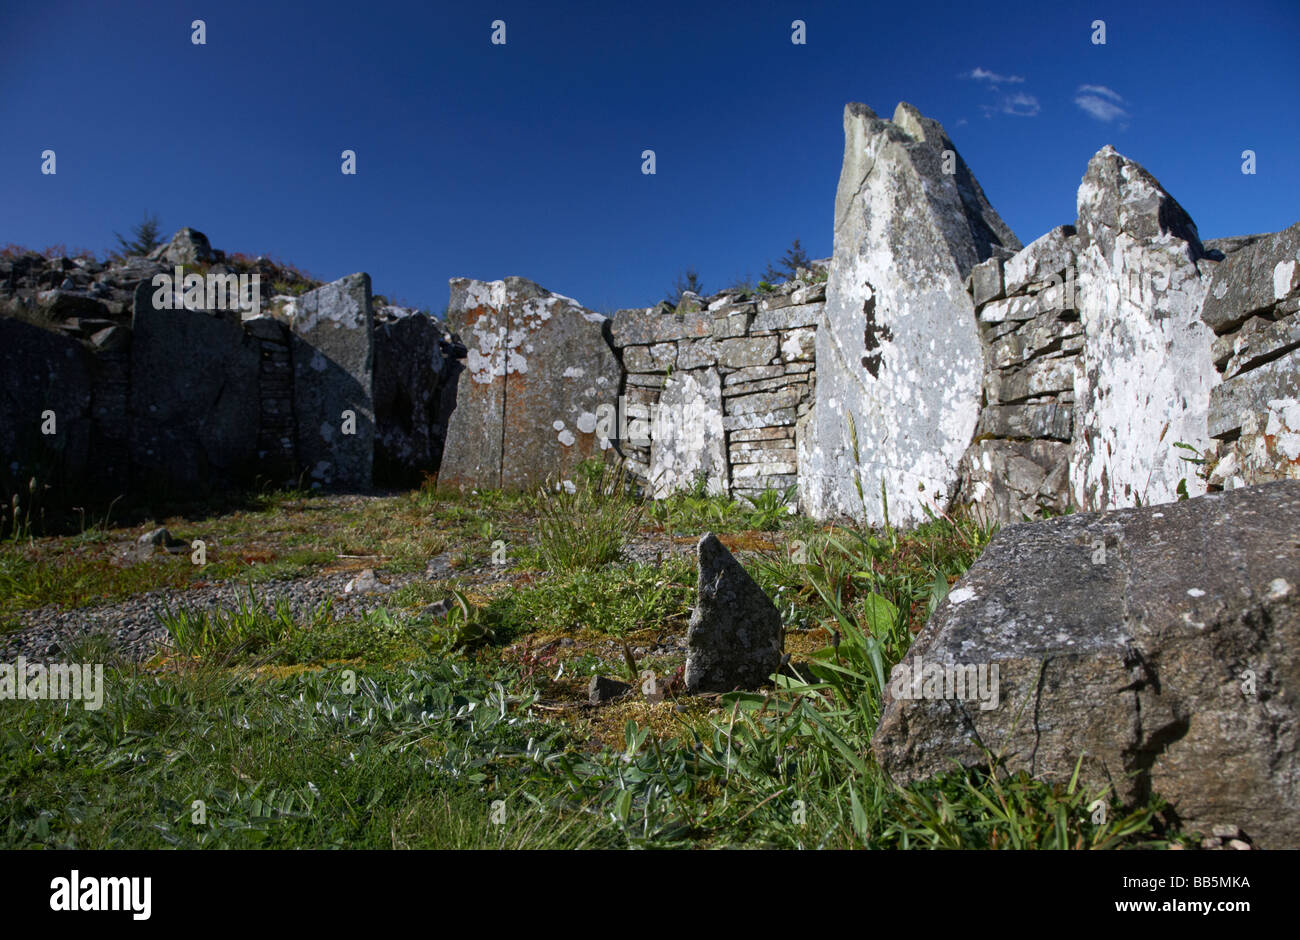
x=1154, y=642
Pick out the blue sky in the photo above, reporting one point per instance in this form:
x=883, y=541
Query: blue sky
x=484, y=161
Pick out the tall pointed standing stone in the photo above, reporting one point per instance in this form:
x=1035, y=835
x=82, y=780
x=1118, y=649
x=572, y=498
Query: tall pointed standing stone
x=898, y=352
x=1147, y=367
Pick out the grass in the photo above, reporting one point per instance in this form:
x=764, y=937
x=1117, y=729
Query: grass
x=470, y=730
x=584, y=524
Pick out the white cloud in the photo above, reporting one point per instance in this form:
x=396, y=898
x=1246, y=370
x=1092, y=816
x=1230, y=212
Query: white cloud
x=1017, y=105
x=993, y=78
x=1101, y=102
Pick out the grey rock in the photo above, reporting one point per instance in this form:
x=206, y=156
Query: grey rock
x=332, y=348
x=602, y=689
x=43, y=371
x=539, y=371
x=1252, y=393
x=657, y=358
x=194, y=399
x=986, y=281
x=1253, y=278
x=687, y=439
x=1047, y=257
x=1010, y=481
x=438, y=609
x=747, y=351
x=1045, y=420
x=186, y=247
x=735, y=638
x=809, y=314
x=1257, y=341
x=907, y=235
x=1124, y=637
x=656, y=325
x=1146, y=369
x=364, y=582
x=409, y=377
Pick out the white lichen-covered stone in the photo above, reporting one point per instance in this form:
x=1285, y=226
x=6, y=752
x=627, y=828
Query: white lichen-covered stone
x=1146, y=369
x=897, y=315
x=537, y=372
x=687, y=435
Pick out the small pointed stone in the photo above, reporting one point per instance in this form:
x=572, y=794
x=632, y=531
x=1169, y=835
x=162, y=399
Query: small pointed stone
x=734, y=640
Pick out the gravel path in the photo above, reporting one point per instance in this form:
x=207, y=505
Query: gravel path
x=134, y=630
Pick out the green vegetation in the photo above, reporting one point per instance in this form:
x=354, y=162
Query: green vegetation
x=146, y=235
x=787, y=268
x=467, y=728
x=583, y=523
x=689, y=280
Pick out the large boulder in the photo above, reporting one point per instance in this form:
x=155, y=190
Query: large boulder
x=907, y=234
x=1161, y=645
x=538, y=367
x=194, y=398
x=332, y=348
x=188, y=246
x=1146, y=370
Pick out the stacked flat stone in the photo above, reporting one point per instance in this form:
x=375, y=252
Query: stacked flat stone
x=1019, y=463
x=277, y=428
x=715, y=388
x=1252, y=308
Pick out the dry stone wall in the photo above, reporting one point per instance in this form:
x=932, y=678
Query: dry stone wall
x=1027, y=310
x=1254, y=414
x=714, y=390
x=189, y=400
x=932, y=359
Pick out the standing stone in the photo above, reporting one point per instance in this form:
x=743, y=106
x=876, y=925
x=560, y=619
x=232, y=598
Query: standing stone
x=410, y=369
x=537, y=370
x=687, y=439
x=194, y=398
x=332, y=348
x=1159, y=644
x=734, y=639
x=898, y=353
x=1146, y=370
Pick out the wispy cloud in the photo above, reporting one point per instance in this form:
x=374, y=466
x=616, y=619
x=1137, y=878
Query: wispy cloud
x=993, y=78
x=1101, y=102
x=1017, y=105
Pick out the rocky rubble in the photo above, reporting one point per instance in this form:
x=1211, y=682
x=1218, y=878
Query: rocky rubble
x=185, y=400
